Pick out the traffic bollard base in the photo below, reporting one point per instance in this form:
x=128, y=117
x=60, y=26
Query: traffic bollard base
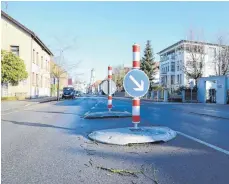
x=125, y=136
x=108, y=114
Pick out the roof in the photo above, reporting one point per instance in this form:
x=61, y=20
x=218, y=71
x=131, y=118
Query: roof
x=34, y=36
x=189, y=41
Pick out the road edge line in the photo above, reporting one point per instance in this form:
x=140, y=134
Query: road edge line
x=205, y=143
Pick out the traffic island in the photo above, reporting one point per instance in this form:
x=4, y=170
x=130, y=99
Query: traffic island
x=130, y=135
x=107, y=114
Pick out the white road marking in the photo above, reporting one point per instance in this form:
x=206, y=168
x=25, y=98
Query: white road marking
x=204, y=143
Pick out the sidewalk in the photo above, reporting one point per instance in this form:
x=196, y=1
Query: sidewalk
x=149, y=100
x=202, y=109
x=11, y=105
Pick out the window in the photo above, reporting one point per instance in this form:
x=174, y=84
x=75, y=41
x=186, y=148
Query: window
x=46, y=65
x=37, y=59
x=33, y=78
x=41, y=61
x=172, y=79
x=41, y=81
x=24, y=82
x=181, y=64
x=173, y=67
x=15, y=50
x=45, y=82
x=36, y=79
x=33, y=56
x=178, y=79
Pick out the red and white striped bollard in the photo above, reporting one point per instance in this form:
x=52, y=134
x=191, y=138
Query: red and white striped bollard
x=109, y=105
x=136, y=100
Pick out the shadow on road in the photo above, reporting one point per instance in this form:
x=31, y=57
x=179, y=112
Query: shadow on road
x=36, y=125
x=56, y=112
x=177, y=158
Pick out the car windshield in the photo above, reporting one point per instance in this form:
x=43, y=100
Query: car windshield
x=67, y=89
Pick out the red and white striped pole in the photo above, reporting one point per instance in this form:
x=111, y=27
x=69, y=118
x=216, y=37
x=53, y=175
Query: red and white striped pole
x=136, y=100
x=109, y=104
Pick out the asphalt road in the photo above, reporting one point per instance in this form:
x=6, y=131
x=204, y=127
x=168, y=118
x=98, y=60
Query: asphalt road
x=47, y=143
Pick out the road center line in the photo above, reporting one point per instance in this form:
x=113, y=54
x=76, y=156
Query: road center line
x=204, y=143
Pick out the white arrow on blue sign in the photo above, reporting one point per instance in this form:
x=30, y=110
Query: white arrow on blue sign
x=136, y=83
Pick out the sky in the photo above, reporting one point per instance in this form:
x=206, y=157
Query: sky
x=102, y=33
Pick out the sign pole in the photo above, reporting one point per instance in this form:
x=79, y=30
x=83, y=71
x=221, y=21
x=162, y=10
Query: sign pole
x=109, y=88
x=136, y=84
x=136, y=100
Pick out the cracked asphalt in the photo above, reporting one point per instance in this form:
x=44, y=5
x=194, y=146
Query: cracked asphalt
x=47, y=143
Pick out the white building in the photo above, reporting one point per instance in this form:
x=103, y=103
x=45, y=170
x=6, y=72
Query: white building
x=25, y=43
x=175, y=57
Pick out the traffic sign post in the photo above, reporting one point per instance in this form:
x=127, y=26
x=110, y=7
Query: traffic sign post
x=109, y=104
x=136, y=84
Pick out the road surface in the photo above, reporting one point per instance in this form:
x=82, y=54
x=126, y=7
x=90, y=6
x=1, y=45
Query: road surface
x=48, y=143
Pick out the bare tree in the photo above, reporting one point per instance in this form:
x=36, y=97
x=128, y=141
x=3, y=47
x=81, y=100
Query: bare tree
x=221, y=59
x=118, y=76
x=193, y=68
x=60, y=67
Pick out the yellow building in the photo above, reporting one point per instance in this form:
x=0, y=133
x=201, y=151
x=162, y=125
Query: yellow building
x=35, y=54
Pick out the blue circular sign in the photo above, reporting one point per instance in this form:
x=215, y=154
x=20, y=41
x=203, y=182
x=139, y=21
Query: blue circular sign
x=136, y=83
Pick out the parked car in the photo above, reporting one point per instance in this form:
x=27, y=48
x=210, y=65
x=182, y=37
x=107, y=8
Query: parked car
x=77, y=94
x=68, y=92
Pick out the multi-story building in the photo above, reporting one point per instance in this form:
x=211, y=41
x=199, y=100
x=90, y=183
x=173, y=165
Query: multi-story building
x=25, y=43
x=176, y=57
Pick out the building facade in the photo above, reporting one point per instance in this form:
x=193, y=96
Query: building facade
x=176, y=57
x=35, y=54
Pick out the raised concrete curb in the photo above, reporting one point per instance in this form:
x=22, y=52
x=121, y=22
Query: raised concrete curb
x=108, y=114
x=129, y=135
